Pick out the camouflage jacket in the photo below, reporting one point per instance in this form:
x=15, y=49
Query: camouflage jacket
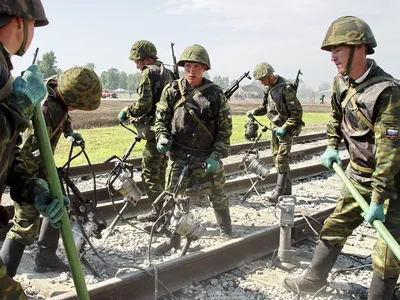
x=13, y=121
x=282, y=106
x=374, y=152
x=189, y=137
x=153, y=79
x=57, y=121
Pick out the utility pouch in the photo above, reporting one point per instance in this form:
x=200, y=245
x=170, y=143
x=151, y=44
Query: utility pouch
x=296, y=130
x=145, y=127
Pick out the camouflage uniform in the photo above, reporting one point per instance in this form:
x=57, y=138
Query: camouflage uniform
x=15, y=113
x=55, y=112
x=189, y=138
x=374, y=159
x=285, y=112
x=365, y=112
x=152, y=81
x=283, y=109
x=79, y=88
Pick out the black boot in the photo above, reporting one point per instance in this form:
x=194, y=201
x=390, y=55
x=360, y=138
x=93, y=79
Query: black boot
x=11, y=253
x=317, y=273
x=173, y=242
x=224, y=221
x=381, y=289
x=151, y=216
x=288, y=188
x=280, y=187
x=46, y=258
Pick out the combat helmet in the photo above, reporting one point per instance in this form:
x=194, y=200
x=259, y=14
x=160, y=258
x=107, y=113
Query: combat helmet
x=195, y=53
x=25, y=9
x=80, y=88
x=262, y=70
x=142, y=49
x=349, y=30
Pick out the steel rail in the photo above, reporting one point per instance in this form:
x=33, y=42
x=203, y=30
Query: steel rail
x=99, y=168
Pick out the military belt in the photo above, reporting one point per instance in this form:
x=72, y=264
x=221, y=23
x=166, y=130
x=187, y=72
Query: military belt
x=360, y=168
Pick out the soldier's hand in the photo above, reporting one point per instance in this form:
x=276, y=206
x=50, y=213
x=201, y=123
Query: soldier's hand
x=76, y=139
x=375, y=212
x=123, y=116
x=31, y=84
x=50, y=208
x=212, y=165
x=329, y=157
x=250, y=113
x=280, y=131
x=163, y=144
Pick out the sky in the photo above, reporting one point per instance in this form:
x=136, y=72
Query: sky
x=237, y=34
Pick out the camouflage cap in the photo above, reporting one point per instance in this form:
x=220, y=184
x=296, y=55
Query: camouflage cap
x=25, y=9
x=262, y=70
x=195, y=53
x=349, y=30
x=80, y=88
x=143, y=49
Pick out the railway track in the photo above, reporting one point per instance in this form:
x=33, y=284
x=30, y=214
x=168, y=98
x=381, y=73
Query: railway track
x=207, y=263
x=210, y=261
x=100, y=168
x=199, y=266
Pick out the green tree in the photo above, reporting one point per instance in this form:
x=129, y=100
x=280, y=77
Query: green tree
x=223, y=82
x=90, y=65
x=48, y=65
x=324, y=86
x=123, y=80
x=133, y=81
x=110, y=78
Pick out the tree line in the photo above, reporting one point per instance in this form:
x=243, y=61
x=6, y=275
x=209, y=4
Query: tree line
x=113, y=78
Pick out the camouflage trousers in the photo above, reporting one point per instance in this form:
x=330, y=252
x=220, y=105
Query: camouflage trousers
x=280, y=147
x=9, y=288
x=26, y=223
x=154, y=164
x=347, y=217
x=211, y=183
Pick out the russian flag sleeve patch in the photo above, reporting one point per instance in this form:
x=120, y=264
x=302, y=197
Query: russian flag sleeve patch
x=392, y=133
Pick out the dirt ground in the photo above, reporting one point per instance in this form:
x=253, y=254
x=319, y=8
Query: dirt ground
x=107, y=113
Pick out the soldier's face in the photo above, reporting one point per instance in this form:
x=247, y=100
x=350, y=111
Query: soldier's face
x=340, y=56
x=139, y=63
x=194, y=72
x=266, y=81
x=31, y=31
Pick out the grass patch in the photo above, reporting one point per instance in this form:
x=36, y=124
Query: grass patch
x=103, y=142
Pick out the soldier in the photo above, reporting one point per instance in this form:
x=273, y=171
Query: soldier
x=193, y=118
x=18, y=97
x=285, y=112
x=322, y=99
x=153, y=78
x=366, y=113
x=76, y=88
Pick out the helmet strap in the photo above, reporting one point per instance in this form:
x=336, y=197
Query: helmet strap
x=349, y=61
x=21, y=50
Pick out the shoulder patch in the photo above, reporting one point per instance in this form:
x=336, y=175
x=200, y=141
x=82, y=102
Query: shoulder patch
x=392, y=132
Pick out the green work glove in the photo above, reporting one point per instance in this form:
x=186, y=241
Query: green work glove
x=123, y=116
x=250, y=113
x=280, y=131
x=329, y=157
x=31, y=84
x=163, y=144
x=50, y=208
x=75, y=138
x=212, y=165
x=375, y=212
